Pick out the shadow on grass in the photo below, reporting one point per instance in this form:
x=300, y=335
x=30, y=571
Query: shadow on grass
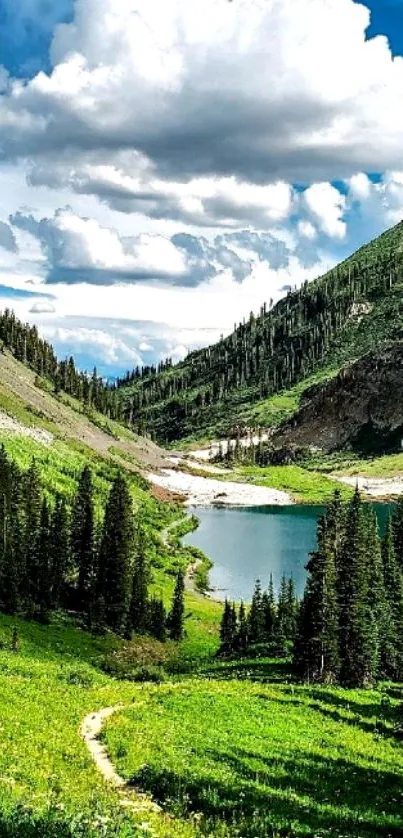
x=268, y=670
x=309, y=796
x=384, y=718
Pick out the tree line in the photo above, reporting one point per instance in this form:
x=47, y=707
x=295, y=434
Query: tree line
x=268, y=627
x=91, y=390
x=350, y=626
x=57, y=556
x=266, y=353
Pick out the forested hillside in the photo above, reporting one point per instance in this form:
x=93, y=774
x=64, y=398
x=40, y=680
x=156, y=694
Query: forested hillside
x=335, y=319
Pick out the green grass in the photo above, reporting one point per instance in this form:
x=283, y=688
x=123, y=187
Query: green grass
x=274, y=410
x=49, y=787
x=114, y=429
x=252, y=758
x=390, y=465
x=304, y=486
x=14, y=406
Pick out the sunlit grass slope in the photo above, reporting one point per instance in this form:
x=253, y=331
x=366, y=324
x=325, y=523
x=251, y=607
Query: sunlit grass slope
x=257, y=759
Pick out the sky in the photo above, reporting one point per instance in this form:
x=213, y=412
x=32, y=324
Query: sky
x=168, y=167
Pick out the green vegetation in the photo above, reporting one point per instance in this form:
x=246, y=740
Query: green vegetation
x=24, y=413
x=354, y=308
x=303, y=485
x=350, y=624
x=256, y=760
x=50, y=678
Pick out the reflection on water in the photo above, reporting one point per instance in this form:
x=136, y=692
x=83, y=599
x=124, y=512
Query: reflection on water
x=249, y=544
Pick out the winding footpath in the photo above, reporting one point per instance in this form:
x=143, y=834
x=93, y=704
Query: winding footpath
x=90, y=730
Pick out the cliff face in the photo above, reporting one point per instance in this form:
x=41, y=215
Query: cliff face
x=362, y=407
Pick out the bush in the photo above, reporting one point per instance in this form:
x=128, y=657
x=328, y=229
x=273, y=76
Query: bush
x=80, y=676
x=153, y=674
x=138, y=655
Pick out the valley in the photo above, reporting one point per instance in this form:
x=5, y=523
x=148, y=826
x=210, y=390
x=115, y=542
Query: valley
x=137, y=725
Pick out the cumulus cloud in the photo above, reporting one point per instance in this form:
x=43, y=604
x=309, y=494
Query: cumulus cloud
x=130, y=184
x=374, y=206
x=252, y=90
x=7, y=238
x=326, y=205
x=81, y=250
x=94, y=344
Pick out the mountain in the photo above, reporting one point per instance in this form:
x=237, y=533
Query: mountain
x=29, y=407
x=361, y=407
x=353, y=309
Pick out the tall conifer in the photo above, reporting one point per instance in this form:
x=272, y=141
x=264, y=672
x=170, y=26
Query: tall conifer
x=82, y=538
x=116, y=556
x=316, y=652
x=177, y=613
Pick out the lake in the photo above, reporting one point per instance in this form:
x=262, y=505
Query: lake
x=249, y=544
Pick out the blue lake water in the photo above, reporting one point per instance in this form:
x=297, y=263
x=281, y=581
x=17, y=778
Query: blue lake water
x=249, y=544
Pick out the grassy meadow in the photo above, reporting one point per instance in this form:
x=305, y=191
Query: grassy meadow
x=256, y=759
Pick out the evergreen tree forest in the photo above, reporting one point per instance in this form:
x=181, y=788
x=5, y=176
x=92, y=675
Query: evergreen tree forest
x=24, y=342
x=57, y=556
x=267, y=353
x=267, y=628
x=350, y=623
x=348, y=627
x=282, y=345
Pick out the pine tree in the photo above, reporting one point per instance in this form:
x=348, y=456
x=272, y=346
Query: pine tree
x=43, y=581
x=60, y=567
x=13, y=579
x=356, y=631
x=82, y=539
x=226, y=633
x=291, y=611
x=31, y=528
x=379, y=611
x=139, y=609
x=316, y=651
x=116, y=555
x=394, y=598
x=256, y=617
x=177, y=613
x=157, y=619
x=242, y=638
x=397, y=524
x=269, y=610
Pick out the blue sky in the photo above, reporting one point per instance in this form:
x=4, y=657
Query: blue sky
x=25, y=37
x=153, y=191
x=387, y=19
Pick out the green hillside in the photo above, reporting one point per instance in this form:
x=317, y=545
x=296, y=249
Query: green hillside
x=279, y=760
x=313, y=331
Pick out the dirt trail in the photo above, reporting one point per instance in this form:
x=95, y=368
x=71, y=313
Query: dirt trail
x=190, y=584
x=90, y=729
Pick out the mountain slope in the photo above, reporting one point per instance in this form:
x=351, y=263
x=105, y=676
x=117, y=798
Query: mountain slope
x=335, y=319
x=361, y=407
x=25, y=397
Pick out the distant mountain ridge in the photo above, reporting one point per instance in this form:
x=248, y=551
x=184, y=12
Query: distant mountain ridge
x=353, y=309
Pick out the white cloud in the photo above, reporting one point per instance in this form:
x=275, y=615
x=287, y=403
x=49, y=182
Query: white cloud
x=326, y=205
x=307, y=230
x=377, y=205
x=174, y=132
x=42, y=307
x=97, y=344
x=263, y=90
x=77, y=248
